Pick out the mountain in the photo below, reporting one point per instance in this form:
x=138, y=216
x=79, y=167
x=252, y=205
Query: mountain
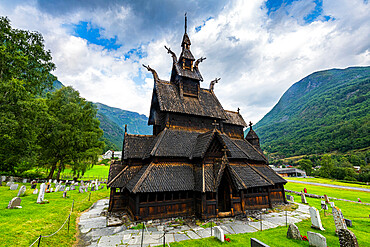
x=324, y=112
x=112, y=122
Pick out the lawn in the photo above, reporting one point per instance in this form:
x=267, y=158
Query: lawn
x=331, y=192
x=21, y=227
x=276, y=237
x=328, y=181
x=98, y=171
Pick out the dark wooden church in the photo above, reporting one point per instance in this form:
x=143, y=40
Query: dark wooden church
x=197, y=162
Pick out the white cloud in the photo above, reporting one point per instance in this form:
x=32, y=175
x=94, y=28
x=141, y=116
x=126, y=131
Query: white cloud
x=258, y=57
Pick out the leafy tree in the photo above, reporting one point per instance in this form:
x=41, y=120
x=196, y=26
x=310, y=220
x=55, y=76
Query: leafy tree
x=71, y=133
x=327, y=166
x=306, y=165
x=25, y=68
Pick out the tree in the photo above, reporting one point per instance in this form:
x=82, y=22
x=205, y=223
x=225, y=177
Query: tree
x=327, y=166
x=306, y=165
x=25, y=68
x=71, y=133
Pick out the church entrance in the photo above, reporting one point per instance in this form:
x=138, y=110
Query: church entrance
x=224, y=201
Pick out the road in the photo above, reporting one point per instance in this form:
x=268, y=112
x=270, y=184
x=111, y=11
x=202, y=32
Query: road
x=331, y=185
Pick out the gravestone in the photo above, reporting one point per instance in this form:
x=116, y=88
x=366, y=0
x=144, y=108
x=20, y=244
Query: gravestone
x=51, y=190
x=24, y=180
x=64, y=194
x=293, y=232
x=256, y=243
x=303, y=198
x=21, y=191
x=67, y=189
x=81, y=189
x=316, y=239
x=35, y=191
x=14, y=186
x=57, y=188
x=338, y=219
x=9, y=184
x=315, y=219
x=62, y=188
x=101, y=186
x=11, y=179
x=1, y=181
x=15, y=203
x=96, y=185
x=290, y=198
x=50, y=181
x=3, y=178
x=55, y=181
x=347, y=238
x=73, y=187
x=326, y=199
x=348, y=222
x=85, y=188
x=41, y=195
x=219, y=233
x=332, y=204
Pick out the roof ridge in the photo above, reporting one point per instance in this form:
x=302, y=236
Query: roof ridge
x=262, y=155
x=143, y=176
x=139, y=135
x=152, y=153
x=231, y=111
x=237, y=176
x=260, y=173
x=238, y=146
x=119, y=174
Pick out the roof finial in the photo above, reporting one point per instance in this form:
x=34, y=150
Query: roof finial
x=250, y=124
x=125, y=128
x=238, y=110
x=186, y=23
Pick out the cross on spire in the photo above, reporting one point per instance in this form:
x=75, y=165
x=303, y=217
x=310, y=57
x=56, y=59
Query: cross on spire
x=215, y=124
x=238, y=110
x=250, y=124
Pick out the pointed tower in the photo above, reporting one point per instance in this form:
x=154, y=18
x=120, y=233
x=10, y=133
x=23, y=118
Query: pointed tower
x=185, y=73
x=252, y=137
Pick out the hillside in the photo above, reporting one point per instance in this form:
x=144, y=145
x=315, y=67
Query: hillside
x=326, y=111
x=113, y=120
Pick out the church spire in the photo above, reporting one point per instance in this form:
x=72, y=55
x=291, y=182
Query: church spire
x=186, y=23
x=185, y=44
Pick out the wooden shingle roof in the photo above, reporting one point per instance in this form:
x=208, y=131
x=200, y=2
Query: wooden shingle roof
x=269, y=173
x=170, y=101
x=136, y=146
x=234, y=118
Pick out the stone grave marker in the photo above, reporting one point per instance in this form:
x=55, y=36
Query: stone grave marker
x=348, y=222
x=290, y=198
x=347, y=238
x=67, y=189
x=41, y=195
x=35, y=191
x=338, y=219
x=85, y=188
x=101, y=186
x=315, y=219
x=316, y=239
x=81, y=189
x=55, y=181
x=293, y=232
x=219, y=233
x=50, y=181
x=9, y=184
x=324, y=206
x=14, y=186
x=73, y=187
x=64, y=194
x=11, y=179
x=24, y=180
x=51, y=190
x=21, y=191
x=332, y=204
x=256, y=243
x=3, y=178
x=15, y=203
x=303, y=198
x=326, y=199
x=96, y=185
x=57, y=188
x=62, y=188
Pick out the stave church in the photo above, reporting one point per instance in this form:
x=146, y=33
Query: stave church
x=197, y=162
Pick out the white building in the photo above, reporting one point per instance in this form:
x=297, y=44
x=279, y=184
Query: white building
x=108, y=154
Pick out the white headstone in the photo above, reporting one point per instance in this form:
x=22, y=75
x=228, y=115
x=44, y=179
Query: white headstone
x=9, y=184
x=24, y=180
x=81, y=189
x=57, y=188
x=332, y=204
x=85, y=188
x=35, y=191
x=315, y=219
x=73, y=187
x=67, y=189
x=21, y=191
x=324, y=205
x=64, y=194
x=219, y=233
x=316, y=239
x=96, y=185
x=15, y=203
x=14, y=186
x=40, y=197
x=303, y=198
x=55, y=181
x=338, y=219
x=51, y=190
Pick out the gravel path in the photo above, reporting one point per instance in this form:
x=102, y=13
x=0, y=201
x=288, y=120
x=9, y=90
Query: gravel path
x=331, y=185
x=94, y=232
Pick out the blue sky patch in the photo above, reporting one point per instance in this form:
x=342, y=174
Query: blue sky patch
x=87, y=31
x=198, y=28
x=135, y=51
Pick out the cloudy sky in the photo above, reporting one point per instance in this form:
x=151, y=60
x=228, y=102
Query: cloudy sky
x=258, y=48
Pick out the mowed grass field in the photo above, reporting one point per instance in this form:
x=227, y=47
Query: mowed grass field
x=98, y=171
x=328, y=181
x=276, y=237
x=21, y=227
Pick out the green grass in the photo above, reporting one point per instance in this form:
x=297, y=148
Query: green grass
x=328, y=181
x=20, y=227
x=331, y=192
x=100, y=171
